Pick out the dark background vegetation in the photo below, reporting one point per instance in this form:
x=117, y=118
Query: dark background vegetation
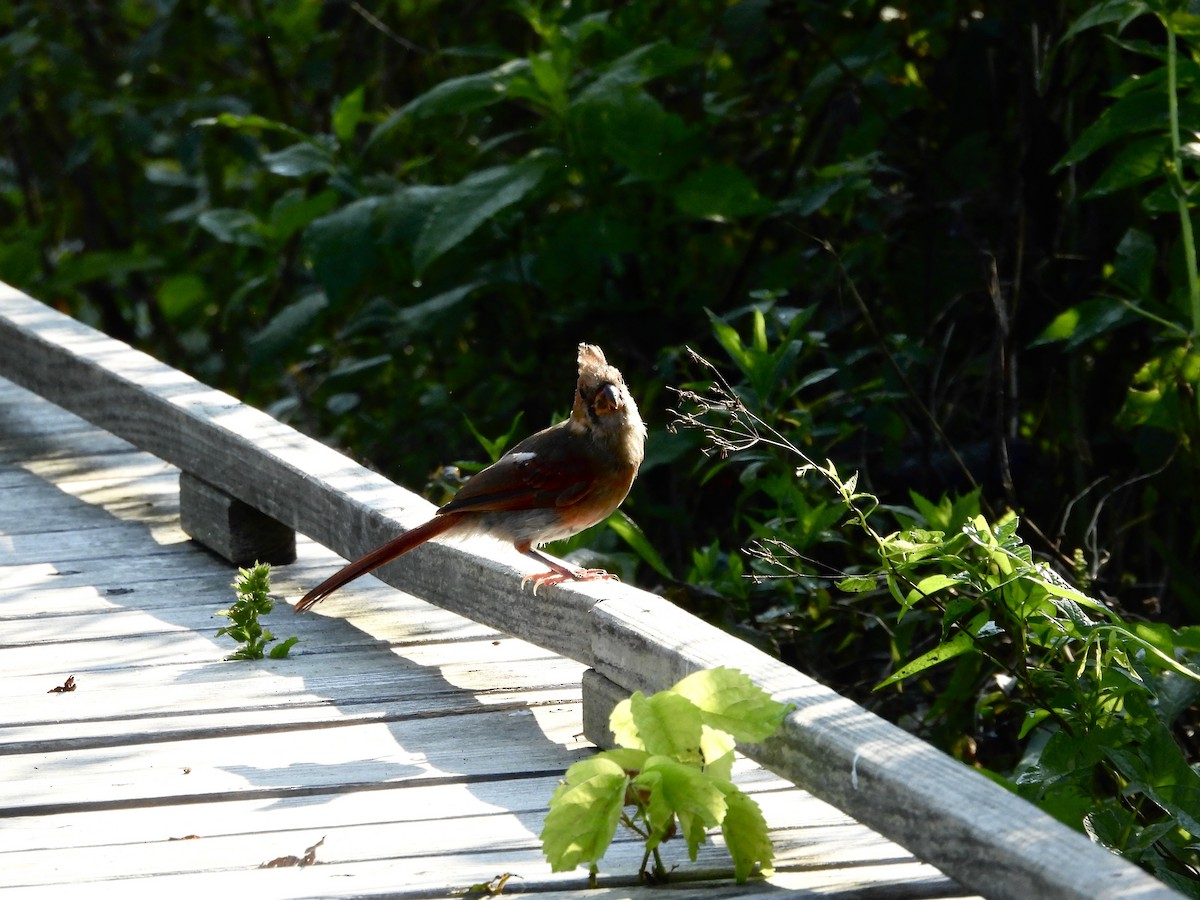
x=391, y=223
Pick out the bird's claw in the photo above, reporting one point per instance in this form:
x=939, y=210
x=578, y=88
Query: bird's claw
x=567, y=575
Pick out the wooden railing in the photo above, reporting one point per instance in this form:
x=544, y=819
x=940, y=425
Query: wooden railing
x=941, y=810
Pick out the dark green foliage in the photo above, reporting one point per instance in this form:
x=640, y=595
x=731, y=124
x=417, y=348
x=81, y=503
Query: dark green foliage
x=948, y=245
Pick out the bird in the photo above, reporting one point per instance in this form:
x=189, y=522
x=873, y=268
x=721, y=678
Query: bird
x=551, y=485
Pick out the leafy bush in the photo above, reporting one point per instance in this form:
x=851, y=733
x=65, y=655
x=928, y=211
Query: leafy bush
x=1087, y=701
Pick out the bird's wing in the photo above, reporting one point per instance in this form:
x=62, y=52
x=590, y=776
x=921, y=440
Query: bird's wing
x=525, y=480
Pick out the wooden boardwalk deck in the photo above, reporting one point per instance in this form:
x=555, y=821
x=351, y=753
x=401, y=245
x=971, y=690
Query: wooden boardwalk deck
x=420, y=746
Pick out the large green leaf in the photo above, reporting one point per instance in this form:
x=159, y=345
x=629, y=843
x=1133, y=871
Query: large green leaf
x=730, y=701
x=584, y=813
x=456, y=96
x=464, y=207
x=342, y=246
x=746, y=836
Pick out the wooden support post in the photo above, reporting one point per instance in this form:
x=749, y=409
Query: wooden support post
x=230, y=528
x=599, y=697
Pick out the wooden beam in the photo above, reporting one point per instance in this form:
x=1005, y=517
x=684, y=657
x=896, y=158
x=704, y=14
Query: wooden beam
x=234, y=530
x=972, y=829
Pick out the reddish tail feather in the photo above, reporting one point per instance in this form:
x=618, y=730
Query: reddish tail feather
x=376, y=558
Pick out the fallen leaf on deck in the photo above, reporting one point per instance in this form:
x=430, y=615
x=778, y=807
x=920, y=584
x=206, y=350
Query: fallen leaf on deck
x=65, y=688
x=491, y=888
x=309, y=857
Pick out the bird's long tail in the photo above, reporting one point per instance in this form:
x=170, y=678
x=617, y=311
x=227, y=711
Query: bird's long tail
x=377, y=557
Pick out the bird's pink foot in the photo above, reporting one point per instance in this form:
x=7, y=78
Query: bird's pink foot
x=567, y=574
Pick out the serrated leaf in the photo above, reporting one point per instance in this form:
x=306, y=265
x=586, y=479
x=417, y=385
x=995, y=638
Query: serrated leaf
x=718, y=750
x=687, y=789
x=626, y=757
x=584, y=813
x=464, y=207
x=746, y=836
x=667, y=724
x=729, y=701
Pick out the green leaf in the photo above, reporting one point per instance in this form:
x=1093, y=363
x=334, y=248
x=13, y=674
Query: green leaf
x=728, y=700
x=179, y=294
x=718, y=748
x=632, y=534
x=299, y=160
x=1139, y=161
x=857, y=584
x=456, y=96
x=634, y=131
x=232, y=226
x=1105, y=13
x=1140, y=111
x=746, y=836
x=687, y=789
x=720, y=193
x=926, y=588
x=962, y=642
x=584, y=813
x=250, y=123
x=663, y=724
x=635, y=68
x=467, y=205
x=347, y=113
x=1085, y=322
x=342, y=246
x=289, y=325
x=281, y=650
x=295, y=210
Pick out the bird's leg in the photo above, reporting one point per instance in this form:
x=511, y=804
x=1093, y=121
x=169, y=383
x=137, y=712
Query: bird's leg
x=560, y=572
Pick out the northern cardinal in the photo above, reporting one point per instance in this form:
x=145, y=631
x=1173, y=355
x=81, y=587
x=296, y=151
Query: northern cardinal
x=550, y=486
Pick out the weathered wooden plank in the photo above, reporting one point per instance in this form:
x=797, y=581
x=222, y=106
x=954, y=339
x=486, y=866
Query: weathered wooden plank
x=403, y=827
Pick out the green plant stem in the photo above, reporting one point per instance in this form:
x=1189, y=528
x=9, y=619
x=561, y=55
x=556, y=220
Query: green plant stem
x=1181, y=199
